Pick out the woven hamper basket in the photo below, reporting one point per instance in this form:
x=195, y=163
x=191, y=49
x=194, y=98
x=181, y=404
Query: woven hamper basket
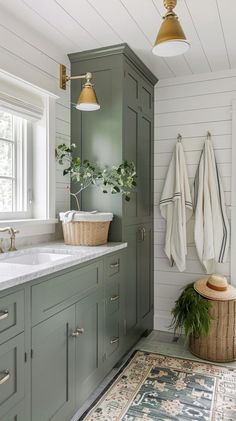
x=86, y=229
x=220, y=344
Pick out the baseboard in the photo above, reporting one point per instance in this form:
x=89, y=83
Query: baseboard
x=162, y=323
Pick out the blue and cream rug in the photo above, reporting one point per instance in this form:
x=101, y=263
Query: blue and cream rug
x=154, y=387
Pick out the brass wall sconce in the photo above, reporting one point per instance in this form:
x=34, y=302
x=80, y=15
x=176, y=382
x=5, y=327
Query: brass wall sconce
x=87, y=100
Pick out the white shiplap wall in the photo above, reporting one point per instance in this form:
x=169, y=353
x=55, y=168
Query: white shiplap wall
x=190, y=106
x=26, y=54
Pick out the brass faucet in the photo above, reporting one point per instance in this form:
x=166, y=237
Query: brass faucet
x=12, y=233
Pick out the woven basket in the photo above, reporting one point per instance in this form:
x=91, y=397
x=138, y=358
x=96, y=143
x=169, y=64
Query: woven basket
x=220, y=344
x=85, y=233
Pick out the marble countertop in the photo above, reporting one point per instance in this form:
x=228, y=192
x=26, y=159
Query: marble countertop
x=12, y=274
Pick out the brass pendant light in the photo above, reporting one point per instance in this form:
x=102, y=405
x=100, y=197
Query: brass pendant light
x=171, y=40
x=87, y=100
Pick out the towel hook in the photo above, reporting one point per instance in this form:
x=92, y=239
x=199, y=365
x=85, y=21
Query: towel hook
x=179, y=138
x=209, y=135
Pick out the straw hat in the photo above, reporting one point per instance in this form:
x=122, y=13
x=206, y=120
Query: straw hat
x=215, y=287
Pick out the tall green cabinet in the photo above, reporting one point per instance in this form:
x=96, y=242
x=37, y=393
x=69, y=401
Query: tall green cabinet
x=122, y=129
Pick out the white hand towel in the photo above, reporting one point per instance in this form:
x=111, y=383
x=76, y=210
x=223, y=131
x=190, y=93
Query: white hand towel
x=176, y=207
x=211, y=230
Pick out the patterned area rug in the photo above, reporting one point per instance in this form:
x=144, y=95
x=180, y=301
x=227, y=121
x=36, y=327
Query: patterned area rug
x=154, y=387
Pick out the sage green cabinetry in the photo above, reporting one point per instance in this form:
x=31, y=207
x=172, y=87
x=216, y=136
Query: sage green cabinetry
x=11, y=373
x=89, y=345
x=121, y=129
x=12, y=348
x=59, y=337
x=53, y=367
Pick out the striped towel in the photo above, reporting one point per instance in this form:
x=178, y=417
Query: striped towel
x=176, y=207
x=211, y=230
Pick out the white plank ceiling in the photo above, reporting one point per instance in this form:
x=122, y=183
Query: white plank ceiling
x=75, y=25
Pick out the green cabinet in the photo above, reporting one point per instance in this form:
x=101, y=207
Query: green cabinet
x=145, y=274
x=122, y=129
x=12, y=379
x=53, y=367
x=138, y=282
x=89, y=345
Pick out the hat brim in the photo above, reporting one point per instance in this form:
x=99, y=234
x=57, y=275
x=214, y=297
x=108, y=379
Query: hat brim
x=202, y=288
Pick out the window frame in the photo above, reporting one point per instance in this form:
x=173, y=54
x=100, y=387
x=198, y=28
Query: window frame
x=22, y=161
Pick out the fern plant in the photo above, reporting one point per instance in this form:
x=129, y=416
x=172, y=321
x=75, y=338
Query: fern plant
x=191, y=313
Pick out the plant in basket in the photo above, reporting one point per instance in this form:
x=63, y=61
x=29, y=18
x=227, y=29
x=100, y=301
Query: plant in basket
x=91, y=228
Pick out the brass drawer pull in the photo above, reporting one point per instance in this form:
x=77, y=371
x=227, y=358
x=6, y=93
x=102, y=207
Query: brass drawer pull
x=114, y=298
x=4, y=314
x=5, y=377
x=114, y=265
x=114, y=340
x=77, y=332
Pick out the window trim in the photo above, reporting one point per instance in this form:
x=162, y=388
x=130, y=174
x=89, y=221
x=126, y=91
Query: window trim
x=40, y=109
x=22, y=161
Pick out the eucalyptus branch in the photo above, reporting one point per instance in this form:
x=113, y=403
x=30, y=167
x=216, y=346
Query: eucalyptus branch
x=121, y=179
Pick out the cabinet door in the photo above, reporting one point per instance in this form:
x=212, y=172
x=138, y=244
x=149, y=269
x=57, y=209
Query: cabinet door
x=145, y=277
x=53, y=367
x=145, y=169
x=138, y=143
x=89, y=343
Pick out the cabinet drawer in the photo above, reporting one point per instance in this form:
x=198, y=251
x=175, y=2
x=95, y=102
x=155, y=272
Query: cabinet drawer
x=112, y=297
x=112, y=334
x=54, y=294
x=11, y=373
x=113, y=265
x=11, y=315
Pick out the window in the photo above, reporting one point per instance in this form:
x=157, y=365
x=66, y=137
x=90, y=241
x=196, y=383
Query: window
x=15, y=166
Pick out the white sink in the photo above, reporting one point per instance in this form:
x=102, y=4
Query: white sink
x=37, y=258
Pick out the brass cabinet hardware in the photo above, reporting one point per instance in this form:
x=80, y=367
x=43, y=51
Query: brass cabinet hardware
x=115, y=298
x=114, y=265
x=77, y=332
x=3, y=314
x=142, y=232
x=114, y=340
x=4, y=376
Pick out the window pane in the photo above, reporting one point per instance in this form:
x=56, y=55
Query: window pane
x=6, y=161
x=5, y=125
x=6, y=195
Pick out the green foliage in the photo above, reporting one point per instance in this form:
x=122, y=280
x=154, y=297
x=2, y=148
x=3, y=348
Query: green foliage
x=121, y=179
x=191, y=312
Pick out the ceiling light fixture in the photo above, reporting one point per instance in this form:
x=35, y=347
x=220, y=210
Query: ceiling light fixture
x=171, y=40
x=87, y=100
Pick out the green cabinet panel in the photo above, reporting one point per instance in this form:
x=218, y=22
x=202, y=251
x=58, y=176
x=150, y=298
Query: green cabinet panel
x=11, y=373
x=53, y=367
x=50, y=296
x=144, y=169
x=11, y=315
x=16, y=414
x=130, y=281
x=145, y=273
x=89, y=345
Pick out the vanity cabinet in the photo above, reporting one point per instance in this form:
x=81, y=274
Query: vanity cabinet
x=121, y=130
x=59, y=337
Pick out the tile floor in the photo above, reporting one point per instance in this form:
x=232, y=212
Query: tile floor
x=158, y=342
